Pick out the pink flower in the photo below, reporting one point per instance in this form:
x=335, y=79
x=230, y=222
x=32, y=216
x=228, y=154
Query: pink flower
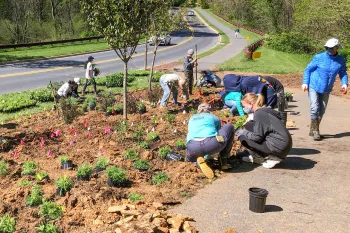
x=90, y=134
x=49, y=153
x=71, y=142
x=58, y=133
x=102, y=151
x=42, y=140
x=16, y=154
x=75, y=133
x=22, y=142
x=107, y=130
x=53, y=135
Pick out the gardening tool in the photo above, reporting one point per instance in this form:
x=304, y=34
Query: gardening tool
x=196, y=67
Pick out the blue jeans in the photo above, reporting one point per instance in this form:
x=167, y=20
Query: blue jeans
x=166, y=94
x=231, y=104
x=318, y=103
x=271, y=97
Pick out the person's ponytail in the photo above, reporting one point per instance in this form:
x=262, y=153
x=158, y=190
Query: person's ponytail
x=257, y=99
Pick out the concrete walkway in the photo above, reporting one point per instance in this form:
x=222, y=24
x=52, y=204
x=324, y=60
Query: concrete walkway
x=232, y=49
x=308, y=192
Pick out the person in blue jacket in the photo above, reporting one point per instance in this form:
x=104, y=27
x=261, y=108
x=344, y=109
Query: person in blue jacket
x=251, y=84
x=319, y=78
x=207, y=137
x=209, y=79
x=233, y=101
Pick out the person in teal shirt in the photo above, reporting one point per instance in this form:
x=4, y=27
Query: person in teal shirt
x=207, y=137
x=233, y=101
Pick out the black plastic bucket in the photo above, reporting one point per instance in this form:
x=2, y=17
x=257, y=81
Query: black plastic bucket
x=257, y=199
x=284, y=118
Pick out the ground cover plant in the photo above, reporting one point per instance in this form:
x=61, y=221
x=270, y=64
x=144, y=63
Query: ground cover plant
x=135, y=197
x=7, y=224
x=131, y=154
x=50, y=210
x=41, y=175
x=47, y=228
x=29, y=168
x=141, y=164
x=163, y=151
x=85, y=170
x=90, y=138
x=3, y=168
x=159, y=178
x=36, y=196
x=102, y=163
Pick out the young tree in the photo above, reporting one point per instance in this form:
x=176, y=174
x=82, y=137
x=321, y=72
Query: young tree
x=163, y=21
x=121, y=22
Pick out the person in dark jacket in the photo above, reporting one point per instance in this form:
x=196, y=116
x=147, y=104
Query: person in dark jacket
x=319, y=78
x=189, y=64
x=251, y=84
x=277, y=86
x=266, y=138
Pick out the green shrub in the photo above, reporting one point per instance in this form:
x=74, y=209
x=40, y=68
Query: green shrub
x=163, y=151
x=102, y=163
x=7, y=224
x=69, y=109
x=181, y=144
x=151, y=136
x=47, y=228
x=29, y=168
x=141, y=164
x=159, y=178
x=50, y=210
x=131, y=154
x=156, y=76
x=36, y=196
x=135, y=197
x=64, y=183
x=3, y=168
x=239, y=123
x=41, y=95
x=346, y=53
x=114, y=80
x=116, y=174
x=24, y=182
x=85, y=170
x=41, y=175
x=144, y=145
x=55, y=85
x=63, y=158
x=292, y=42
x=101, y=81
x=15, y=101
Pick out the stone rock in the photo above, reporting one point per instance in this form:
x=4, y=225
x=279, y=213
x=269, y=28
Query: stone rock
x=231, y=230
x=156, y=214
x=130, y=212
x=161, y=230
x=118, y=230
x=158, y=205
x=190, y=230
x=131, y=207
x=147, y=155
x=147, y=217
x=175, y=222
x=186, y=225
x=173, y=230
x=97, y=221
x=160, y=222
x=291, y=123
x=125, y=220
x=117, y=208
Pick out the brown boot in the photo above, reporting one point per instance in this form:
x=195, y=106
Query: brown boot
x=312, y=128
x=316, y=131
x=224, y=165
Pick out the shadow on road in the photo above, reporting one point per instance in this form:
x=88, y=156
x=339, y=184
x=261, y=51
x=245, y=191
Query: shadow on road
x=339, y=135
x=303, y=151
x=296, y=163
x=272, y=208
x=47, y=64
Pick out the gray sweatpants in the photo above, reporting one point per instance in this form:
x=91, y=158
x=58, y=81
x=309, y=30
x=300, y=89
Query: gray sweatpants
x=211, y=145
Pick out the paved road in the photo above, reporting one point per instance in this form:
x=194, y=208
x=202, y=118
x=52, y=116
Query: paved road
x=30, y=75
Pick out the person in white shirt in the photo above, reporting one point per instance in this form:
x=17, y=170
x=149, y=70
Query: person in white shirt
x=69, y=89
x=89, y=75
x=168, y=81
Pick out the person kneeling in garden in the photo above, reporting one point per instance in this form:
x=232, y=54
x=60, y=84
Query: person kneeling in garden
x=69, y=89
x=169, y=83
x=266, y=138
x=209, y=79
x=207, y=137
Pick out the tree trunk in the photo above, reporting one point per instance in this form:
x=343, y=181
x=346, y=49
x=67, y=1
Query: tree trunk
x=153, y=60
x=146, y=50
x=125, y=116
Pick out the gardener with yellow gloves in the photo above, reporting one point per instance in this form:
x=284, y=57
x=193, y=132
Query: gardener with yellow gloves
x=207, y=137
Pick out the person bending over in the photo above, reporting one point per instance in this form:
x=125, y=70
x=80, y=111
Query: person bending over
x=266, y=138
x=207, y=137
x=209, y=80
x=69, y=89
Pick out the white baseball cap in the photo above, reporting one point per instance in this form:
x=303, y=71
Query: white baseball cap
x=332, y=43
x=190, y=51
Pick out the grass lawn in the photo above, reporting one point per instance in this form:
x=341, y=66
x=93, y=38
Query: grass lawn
x=252, y=36
x=271, y=62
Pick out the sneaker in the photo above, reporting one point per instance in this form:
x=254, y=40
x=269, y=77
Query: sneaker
x=251, y=159
x=270, y=163
x=207, y=171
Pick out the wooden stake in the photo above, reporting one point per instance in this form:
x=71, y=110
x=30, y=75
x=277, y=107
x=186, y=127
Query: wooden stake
x=196, y=67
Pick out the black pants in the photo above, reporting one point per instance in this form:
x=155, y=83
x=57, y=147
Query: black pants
x=88, y=82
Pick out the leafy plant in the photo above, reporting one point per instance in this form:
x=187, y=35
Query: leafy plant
x=154, y=120
x=41, y=175
x=225, y=114
x=63, y=159
x=114, y=80
x=240, y=122
x=193, y=111
x=117, y=108
x=15, y=101
x=288, y=94
x=169, y=117
x=181, y=144
x=51, y=210
x=152, y=136
x=3, y=168
x=138, y=133
x=41, y=95
x=121, y=129
x=116, y=174
x=90, y=100
x=105, y=101
x=29, y=167
x=159, y=178
x=144, y=145
x=141, y=106
x=85, y=170
x=102, y=163
x=135, y=197
x=47, y=227
x=36, y=196
x=163, y=151
x=131, y=154
x=64, y=184
x=24, y=182
x=7, y=224
x=141, y=164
